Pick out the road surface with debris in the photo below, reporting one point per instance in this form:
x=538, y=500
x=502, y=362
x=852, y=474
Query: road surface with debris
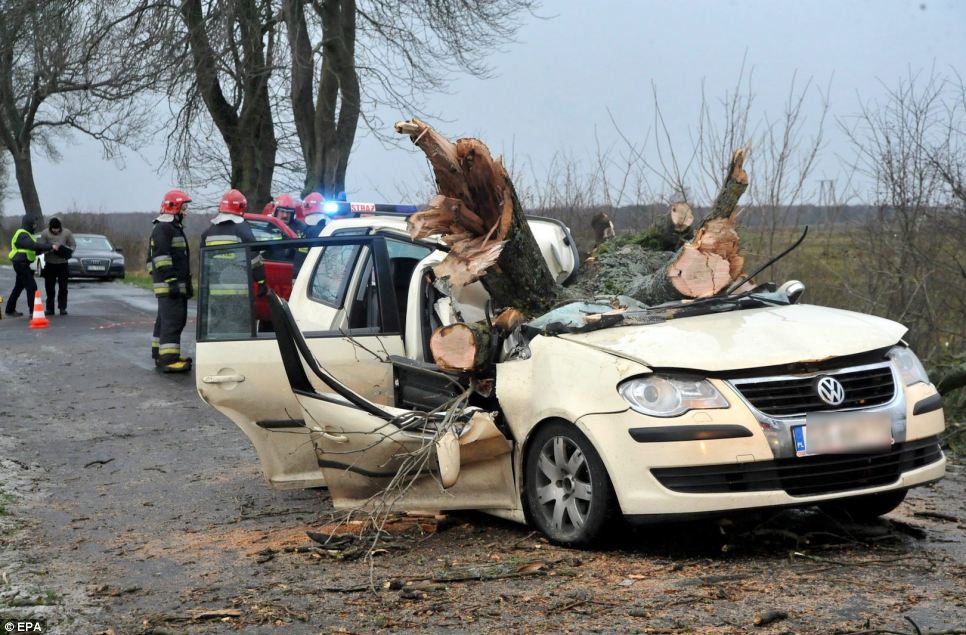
x=129, y=506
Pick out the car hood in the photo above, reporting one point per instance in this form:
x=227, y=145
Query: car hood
x=750, y=338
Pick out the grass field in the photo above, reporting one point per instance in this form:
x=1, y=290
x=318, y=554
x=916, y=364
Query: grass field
x=138, y=279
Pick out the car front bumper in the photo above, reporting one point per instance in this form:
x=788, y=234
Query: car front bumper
x=79, y=270
x=711, y=461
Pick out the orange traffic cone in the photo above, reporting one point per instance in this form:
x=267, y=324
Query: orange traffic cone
x=39, y=320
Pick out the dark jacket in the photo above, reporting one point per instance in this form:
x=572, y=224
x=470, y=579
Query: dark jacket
x=168, y=256
x=228, y=232
x=26, y=240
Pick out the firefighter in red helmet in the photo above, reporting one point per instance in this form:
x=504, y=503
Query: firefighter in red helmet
x=312, y=206
x=285, y=208
x=285, y=211
x=228, y=288
x=169, y=264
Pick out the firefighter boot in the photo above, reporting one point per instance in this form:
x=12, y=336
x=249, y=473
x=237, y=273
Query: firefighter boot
x=180, y=366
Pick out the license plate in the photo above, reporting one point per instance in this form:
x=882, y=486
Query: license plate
x=96, y=268
x=843, y=433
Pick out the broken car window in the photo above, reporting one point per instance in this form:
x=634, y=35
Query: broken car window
x=332, y=274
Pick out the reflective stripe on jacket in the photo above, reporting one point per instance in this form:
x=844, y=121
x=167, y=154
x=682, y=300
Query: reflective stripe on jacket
x=168, y=256
x=232, y=233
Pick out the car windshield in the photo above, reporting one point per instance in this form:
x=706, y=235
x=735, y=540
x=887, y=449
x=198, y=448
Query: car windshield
x=579, y=317
x=87, y=242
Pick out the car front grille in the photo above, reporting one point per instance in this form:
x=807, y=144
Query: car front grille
x=803, y=476
x=96, y=262
x=864, y=386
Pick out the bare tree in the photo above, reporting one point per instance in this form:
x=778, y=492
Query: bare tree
x=351, y=57
x=908, y=259
x=62, y=70
x=223, y=86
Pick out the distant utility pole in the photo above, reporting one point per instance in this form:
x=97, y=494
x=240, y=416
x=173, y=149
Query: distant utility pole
x=826, y=197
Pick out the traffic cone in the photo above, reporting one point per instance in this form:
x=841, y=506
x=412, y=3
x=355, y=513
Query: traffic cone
x=39, y=320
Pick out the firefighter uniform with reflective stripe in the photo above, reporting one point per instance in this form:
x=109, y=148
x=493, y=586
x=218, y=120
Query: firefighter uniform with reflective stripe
x=227, y=274
x=168, y=262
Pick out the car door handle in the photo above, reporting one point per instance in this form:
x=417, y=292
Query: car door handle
x=335, y=438
x=222, y=379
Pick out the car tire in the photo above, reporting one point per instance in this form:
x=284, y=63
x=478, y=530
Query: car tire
x=867, y=507
x=567, y=492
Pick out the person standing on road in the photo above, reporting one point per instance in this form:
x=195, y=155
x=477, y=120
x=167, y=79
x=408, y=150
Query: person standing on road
x=228, y=305
x=55, y=264
x=23, y=251
x=169, y=264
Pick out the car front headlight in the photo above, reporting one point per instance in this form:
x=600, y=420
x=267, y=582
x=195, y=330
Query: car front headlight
x=119, y=260
x=910, y=368
x=666, y=396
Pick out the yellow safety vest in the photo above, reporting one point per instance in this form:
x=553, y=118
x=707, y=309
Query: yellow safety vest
x=31, y=255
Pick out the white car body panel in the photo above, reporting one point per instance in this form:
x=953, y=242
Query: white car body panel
x=751, y=338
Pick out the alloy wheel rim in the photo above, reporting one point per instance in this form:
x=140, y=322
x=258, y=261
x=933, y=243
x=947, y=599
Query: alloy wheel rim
x=564, y=486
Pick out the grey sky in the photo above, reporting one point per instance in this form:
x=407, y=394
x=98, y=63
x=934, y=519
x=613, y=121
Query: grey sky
x=556, y=83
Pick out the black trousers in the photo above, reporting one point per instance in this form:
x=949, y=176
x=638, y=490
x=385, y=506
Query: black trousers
x=171, y=320
x=55, y=276
x=25, y=282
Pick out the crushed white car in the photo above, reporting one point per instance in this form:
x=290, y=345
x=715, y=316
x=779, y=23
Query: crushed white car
x=733, y=405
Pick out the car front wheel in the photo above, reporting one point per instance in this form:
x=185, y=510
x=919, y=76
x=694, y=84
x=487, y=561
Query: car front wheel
x=569, y=496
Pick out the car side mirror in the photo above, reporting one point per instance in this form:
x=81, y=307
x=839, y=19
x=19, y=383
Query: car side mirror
x=793, y=290
x=448, y=458
x=119, y=250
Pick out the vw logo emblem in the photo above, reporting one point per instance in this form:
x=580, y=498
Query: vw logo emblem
x=830, y=391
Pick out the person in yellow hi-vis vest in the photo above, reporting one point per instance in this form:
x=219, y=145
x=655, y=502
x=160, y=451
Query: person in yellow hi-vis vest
x=23, y=251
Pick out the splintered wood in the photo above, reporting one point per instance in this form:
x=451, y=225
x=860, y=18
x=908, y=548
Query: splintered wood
x=478, y=215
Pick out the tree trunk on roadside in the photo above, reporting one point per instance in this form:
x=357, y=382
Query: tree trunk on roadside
x=326, y=125
x=248, y=128
x=24, y=173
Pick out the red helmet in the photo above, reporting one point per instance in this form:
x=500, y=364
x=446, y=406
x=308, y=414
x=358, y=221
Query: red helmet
x=233, y=202
x=284, y=203
x=300, y=211
x=313, y=203
x=269, y=209
x=175, y=202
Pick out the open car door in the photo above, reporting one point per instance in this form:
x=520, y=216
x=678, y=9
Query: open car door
x=426, y=461
x=239, y=371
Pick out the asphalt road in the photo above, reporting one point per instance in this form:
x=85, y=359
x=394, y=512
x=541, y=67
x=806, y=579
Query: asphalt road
x=128, y=504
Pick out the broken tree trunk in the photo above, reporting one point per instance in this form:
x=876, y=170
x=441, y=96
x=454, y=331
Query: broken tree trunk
x=462, y=346
x=709, y=263
x=468, y=347
x=675, y=228
x=478, y=215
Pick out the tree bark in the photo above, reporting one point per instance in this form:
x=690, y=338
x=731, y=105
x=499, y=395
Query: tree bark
x=327, y=126
x=479, y=216
x=24, y=172
x=248, y=128
x=675, y=228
